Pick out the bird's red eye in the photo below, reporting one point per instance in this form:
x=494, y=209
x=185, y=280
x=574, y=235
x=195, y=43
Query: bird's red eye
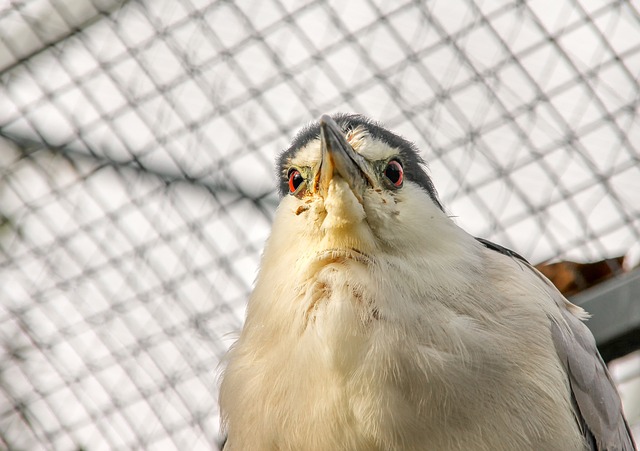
x=295, y=179
x=394, y=173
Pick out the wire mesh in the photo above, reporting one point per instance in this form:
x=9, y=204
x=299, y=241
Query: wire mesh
x=137, y=188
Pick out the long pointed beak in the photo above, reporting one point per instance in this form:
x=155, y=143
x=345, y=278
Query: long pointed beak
x=338, y=157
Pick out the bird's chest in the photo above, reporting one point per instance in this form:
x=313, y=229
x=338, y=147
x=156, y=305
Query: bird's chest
x=362, y=366
x=347, y=380
x=338, y=394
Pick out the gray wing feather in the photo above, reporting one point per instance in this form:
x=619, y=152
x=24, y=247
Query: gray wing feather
x=596, y=402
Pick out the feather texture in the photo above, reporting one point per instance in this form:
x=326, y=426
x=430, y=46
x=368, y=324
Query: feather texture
x=595, y=400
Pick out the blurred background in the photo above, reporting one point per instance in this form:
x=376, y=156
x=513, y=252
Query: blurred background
x=137, y=143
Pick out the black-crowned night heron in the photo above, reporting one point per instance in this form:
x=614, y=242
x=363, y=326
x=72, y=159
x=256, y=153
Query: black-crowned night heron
x=376, y=323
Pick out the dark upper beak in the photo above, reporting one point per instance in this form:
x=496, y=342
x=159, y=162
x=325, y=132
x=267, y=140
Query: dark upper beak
x=338, y=157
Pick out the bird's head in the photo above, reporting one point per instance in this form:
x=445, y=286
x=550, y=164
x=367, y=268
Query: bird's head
x=347, y=184
x=356, y=201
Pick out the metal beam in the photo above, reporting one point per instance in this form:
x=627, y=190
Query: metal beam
x=614, y=306
x=169, y=175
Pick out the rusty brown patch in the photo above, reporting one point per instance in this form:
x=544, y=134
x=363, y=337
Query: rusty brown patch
x=320, y=291
x=357, y=294
x=369, y=311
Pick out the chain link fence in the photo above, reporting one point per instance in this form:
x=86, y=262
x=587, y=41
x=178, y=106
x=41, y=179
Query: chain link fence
x=137, y=185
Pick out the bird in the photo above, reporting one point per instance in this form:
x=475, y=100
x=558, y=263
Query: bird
x=377, y=323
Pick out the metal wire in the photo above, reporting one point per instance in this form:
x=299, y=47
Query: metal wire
x=137, y=187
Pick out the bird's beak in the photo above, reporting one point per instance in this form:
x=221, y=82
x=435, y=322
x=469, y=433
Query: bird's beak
x=338, y=157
